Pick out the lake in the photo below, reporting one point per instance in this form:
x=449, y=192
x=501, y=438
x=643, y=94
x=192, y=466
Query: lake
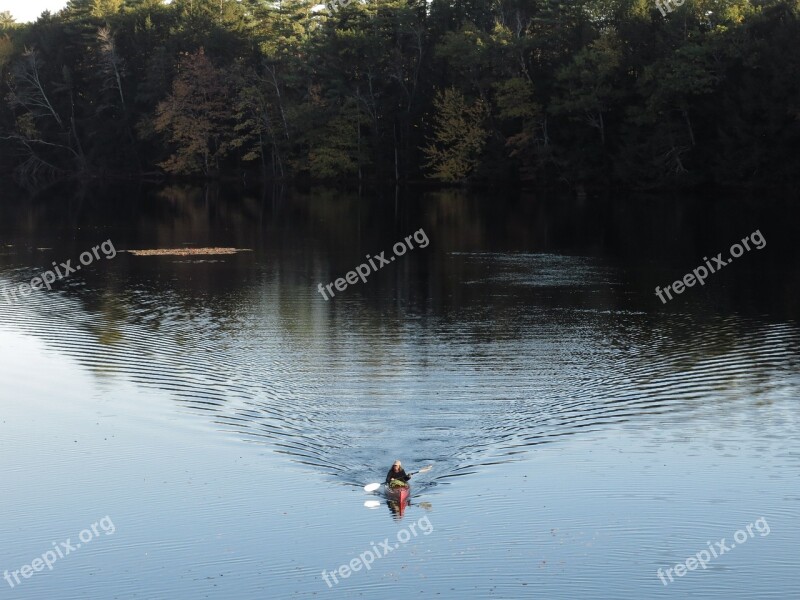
x=215, y=417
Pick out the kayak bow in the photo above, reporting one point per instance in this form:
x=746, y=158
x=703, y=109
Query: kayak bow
x=398, y=494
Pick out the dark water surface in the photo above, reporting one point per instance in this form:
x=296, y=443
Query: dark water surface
x=225, y=416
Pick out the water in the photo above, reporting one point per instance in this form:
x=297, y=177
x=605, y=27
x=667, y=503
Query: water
x=225, y=416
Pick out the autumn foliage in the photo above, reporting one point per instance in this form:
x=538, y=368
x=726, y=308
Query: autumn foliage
x=535, y=91
x=196, y=116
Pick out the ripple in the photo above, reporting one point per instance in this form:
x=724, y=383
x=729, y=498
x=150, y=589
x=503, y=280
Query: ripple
x=348, y=400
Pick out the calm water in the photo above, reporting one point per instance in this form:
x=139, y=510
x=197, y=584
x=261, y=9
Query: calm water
x=225, y=416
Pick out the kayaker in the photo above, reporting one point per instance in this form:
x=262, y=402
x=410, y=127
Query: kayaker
x=397, y=474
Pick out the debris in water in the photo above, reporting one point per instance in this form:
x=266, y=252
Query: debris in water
x=188, y=251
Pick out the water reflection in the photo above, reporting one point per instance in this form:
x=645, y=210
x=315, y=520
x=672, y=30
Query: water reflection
x=526, y=319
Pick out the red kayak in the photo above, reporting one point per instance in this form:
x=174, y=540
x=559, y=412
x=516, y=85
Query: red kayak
x=398, y=494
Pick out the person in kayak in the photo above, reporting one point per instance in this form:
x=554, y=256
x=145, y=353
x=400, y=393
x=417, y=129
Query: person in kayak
x=397, y=477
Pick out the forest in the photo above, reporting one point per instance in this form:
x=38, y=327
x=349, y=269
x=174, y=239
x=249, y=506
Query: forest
x=533, y=92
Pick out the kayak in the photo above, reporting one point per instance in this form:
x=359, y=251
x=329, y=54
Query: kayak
x=399, y=494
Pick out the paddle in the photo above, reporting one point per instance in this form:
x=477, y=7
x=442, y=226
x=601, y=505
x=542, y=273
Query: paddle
x=371, y=487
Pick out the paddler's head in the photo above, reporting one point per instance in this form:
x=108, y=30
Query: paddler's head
x=396, y=466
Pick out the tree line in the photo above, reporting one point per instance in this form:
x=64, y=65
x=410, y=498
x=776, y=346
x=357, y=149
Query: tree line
x=532, y=91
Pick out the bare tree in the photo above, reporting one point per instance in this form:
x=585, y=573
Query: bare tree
x=28, y=91
x=111, y=64
x=38, y=115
